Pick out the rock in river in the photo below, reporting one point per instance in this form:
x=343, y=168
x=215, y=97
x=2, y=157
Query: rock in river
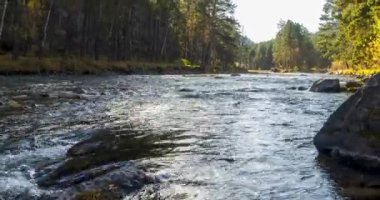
x=351, y=136
x=301, y=88
x=113, y=180
x=103, y=163
x=326, y=85
x=352, y=86
x=14, y=105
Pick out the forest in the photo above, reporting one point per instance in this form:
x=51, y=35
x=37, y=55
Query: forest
x=202, y=34
x=198, y=33
x=293, y=49
x=348, y=41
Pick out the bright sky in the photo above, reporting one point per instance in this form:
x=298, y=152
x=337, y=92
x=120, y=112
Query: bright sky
x=260, y=17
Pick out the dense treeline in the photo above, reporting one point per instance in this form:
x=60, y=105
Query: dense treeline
x=198, y=32
x=192, y=33
x=349, y=38
x=293, y=49
x=350, y=33
x=263, y=55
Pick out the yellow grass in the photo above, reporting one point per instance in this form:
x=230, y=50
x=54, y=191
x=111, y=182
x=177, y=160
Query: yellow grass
x=341, y=68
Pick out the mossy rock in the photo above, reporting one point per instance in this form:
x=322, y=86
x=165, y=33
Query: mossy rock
x=352, y=89
x=354, y=84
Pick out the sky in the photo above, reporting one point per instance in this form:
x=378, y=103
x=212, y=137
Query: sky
x=259, y=18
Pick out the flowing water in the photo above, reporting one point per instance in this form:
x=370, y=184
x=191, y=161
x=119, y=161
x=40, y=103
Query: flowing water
x=247, y=137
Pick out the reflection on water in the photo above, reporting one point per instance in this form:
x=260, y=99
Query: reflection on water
x=245, y=137
x=349, y=182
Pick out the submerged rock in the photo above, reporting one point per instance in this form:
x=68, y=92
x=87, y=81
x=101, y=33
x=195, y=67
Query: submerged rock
x=14, y=105
x=113, y=180
x=301, y=88
x=186, y=90
x=351, y=136
x=103, y=162
x=350, y=183
x=219, y=77
x=326, y=85
x=292, y=88
x=10, y=107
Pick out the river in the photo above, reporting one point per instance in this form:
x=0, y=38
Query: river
x=247, y=137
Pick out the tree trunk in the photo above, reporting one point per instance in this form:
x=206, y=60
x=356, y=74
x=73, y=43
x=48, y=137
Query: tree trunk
x=3, y=18
x=46, y=26
x=165, y=40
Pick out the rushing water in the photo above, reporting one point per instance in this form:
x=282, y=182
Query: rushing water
x=247, y=137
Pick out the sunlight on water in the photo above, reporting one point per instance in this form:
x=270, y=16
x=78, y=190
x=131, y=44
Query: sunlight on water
x=247, y=137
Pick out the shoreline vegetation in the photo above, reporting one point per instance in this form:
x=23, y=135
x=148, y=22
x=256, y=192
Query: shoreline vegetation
x=123, y=36
x=83, y=66
x=180, y=37
x=80, y=66
x=31, y=65
x=357, y=72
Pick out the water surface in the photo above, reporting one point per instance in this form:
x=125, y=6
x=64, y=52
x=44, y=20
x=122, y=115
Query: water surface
x=247, y=137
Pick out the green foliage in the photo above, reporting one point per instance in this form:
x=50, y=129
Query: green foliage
x=326, y=38
x=263, y=55
x=185, y=62
x=350, y=32
x=293, y=48
x=204, y=32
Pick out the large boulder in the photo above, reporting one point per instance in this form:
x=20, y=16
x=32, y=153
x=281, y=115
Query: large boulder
x=326, y=85
x=351, y=135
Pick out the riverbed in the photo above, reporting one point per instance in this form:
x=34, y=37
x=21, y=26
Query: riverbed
x=223, y=137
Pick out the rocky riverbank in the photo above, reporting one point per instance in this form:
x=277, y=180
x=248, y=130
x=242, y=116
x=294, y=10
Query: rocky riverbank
x=351, y=137
x=336, y=86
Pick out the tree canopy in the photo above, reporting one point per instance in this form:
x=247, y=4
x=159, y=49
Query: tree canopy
x=350, y=32
x=293, y=49
x=200, y=33
x=204, y=32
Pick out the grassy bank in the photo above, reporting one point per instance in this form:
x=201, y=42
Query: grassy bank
x=33, y=65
